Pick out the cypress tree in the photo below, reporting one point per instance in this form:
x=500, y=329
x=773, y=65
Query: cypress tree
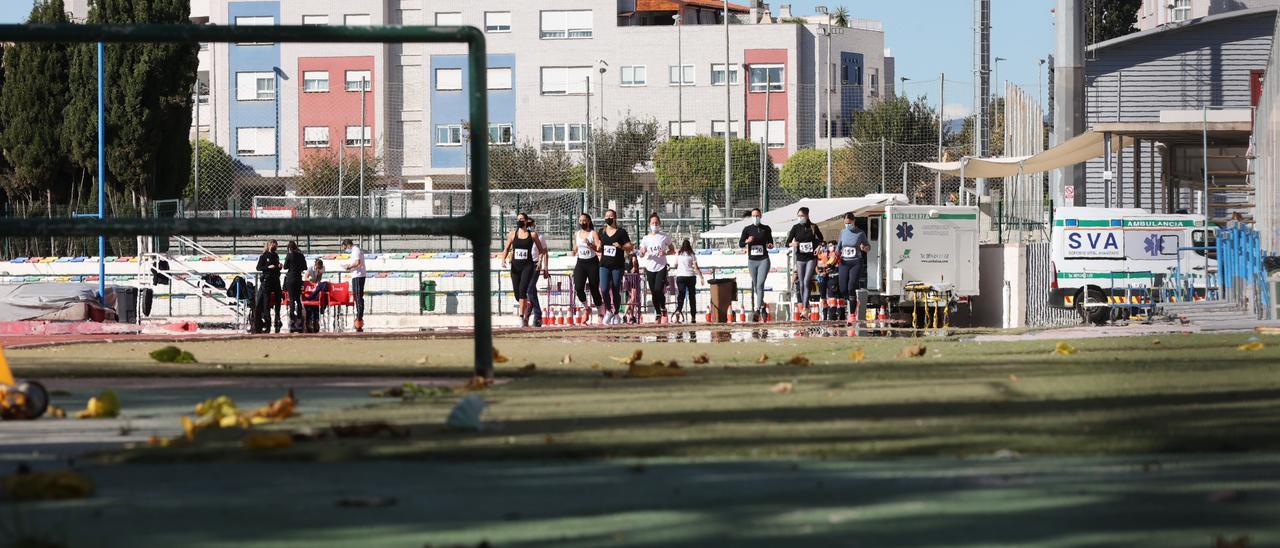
x=31, y=102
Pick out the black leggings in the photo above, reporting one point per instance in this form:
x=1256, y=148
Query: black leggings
x=586, y=276
x=850, y=273
x=658, y=288
x=522, y=274
x=687, y=285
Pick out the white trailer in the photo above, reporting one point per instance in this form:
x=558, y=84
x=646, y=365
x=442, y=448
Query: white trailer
x=1103, y=257
x=922, y=257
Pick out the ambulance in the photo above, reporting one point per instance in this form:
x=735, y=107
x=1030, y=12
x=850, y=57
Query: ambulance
x=1106, y=256
x=922, y=258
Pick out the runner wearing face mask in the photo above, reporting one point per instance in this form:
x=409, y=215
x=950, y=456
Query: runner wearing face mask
x=615, y=244
x=653, y=252
x=518, y=253
x=803, y=240
x=586, y=272
x=853, y=254
x=757, y=240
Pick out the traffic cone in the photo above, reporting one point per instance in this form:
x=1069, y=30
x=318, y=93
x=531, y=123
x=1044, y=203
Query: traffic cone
x=814, y=315
x=709, y=313
x=798, y=311
x=742, y=314
x=882, y=318
x=733, y=316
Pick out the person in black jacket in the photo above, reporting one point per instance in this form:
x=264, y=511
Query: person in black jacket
x=804, y=238
x=757, y=240
x=295, y=265
x=268, y=295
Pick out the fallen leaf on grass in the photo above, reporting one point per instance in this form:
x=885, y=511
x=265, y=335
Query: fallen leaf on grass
x=567, y=359
x=764, y=358
x=1155, y=342
x=528, y=369
x=858, y=354
x=368, y=430
x=103, y=406
x=595, y=365
x=268, y=440
x=277, y=410
x=913, y=351
x=800, y=360
x=393, y=392
x=629, y=361
x=52, y=485
x=56, y=412
x=1251, y=347
x=1241, y=541
x=1063, y=349
x=701, y=359
x=424, y=360
x=1013, y=378
x=498, y=357
x=783, y=388
x=366, y=502
x=477, y=383
x=655, y=370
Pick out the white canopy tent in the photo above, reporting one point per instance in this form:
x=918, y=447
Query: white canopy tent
x=1080, y=149
x=820, y=210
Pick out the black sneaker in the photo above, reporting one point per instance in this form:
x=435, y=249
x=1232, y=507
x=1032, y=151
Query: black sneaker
x=537, y=321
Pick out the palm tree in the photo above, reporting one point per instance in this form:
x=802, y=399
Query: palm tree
x=840, y=17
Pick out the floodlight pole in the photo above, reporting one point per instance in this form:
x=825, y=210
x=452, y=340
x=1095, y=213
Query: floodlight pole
x=728, y=115
x=364, y=85
x=102, y=170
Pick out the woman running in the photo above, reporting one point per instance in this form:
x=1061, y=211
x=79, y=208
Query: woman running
x=688, y=273
x=757, y=239
x=519, y=251
x=804, y=239
x=586, y=273
x=615, y=245
x=654, y=249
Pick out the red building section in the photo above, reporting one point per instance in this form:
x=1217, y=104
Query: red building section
x=336, y=105
x=778, y=100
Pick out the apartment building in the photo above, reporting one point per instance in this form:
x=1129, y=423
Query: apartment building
x=556, y=68
x=1156, y=13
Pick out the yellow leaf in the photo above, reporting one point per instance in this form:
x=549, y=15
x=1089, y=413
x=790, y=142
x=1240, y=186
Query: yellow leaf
x=630, y=361
x=189, y=427
x=764, y=358
x=478, y=383
x=104, y=406
x=783, y=388
x=1013, y=378
x=701, y=359
x=1064, y=349
x=655, y=370
x=268, y=440
x=858, y=354
x=913, y=351
x=799, y=360
x=1251, y=347
x=567, y=359
x=529, y=369
x=498, y=357
x=228, y=421
x=279, y=409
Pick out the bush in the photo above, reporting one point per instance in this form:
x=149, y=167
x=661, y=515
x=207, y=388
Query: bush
x=217, y=175
x=693, y=166
x=805, y=173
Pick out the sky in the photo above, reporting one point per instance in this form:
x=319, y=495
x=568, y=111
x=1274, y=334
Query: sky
x=928, y=37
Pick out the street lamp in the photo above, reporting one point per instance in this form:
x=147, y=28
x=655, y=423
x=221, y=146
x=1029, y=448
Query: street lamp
x=1039, y=88
x=903, y=85
x=997, y=71
x=828, y=30
x=680, y=71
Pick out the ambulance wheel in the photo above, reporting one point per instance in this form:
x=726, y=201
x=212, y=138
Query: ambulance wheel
x=37, y=399
x=1096, y=315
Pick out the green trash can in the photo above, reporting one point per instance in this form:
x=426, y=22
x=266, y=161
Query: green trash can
x=427, y=298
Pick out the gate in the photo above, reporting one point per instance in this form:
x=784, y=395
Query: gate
x=1039, y=282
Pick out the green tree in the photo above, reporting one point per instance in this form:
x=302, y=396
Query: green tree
x=31, y=101
x=693, y=166
x=523, y=165
x=217, y=175
x=804, y=175
x=149, y=100
x=1107, y=19
x=615, y=154
x=908, y=128
x=840, y=17
x=319, y=174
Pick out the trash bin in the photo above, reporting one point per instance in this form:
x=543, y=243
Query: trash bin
x=723, y=292
x=427, y=297
x=126, y=303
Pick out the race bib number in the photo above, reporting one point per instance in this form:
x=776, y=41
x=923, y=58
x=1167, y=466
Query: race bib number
x=655, y=251
x=585, y=254
x=848, y=252
x=610, y=251
x=806, y=247
x=757, y=250
x=521, y=254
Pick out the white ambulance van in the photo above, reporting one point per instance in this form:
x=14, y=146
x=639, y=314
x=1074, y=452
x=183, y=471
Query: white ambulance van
x=1101, y=255
x=921, y=255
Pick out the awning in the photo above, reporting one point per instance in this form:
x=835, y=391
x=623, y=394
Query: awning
x=1081, y=149
x=820, y=210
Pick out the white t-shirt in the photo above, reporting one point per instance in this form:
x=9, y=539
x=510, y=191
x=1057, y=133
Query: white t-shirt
x=586, y=249
x=684, y=265
x=533, y=251
x=359, y=269
x=655, y=252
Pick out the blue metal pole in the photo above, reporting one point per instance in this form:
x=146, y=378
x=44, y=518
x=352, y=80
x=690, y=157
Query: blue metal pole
x=102, y=170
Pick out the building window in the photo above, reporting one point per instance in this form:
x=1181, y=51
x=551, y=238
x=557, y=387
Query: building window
x=566, y=136
x=766, y=78
x=777, y=131
x=500, y=134
x=566, y=24
x=315, y=81
x=717, y=128
x=448, y=79
x=254, y=21
x=357, y=20
x=500, y=78
x=357, y=77
x=315, y=137
x=449, y=135
x=357, y=138
x=875, y=82
x=686, y=128
x=634, y=75
x=565, y=80
x=449, y=19
x=1181, y=10
x=674, y=75
x=315, y=20
x=202, y=87
x=497, y=21
x=717, y=74
x=255, y=141
x=255, y=86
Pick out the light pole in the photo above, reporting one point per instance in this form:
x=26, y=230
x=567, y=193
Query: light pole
x=828, y=31
x=1039, y=86
x=728, y=120
x=680, y=71
x=997, y=72
x=595, y=158
x=903, y=85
